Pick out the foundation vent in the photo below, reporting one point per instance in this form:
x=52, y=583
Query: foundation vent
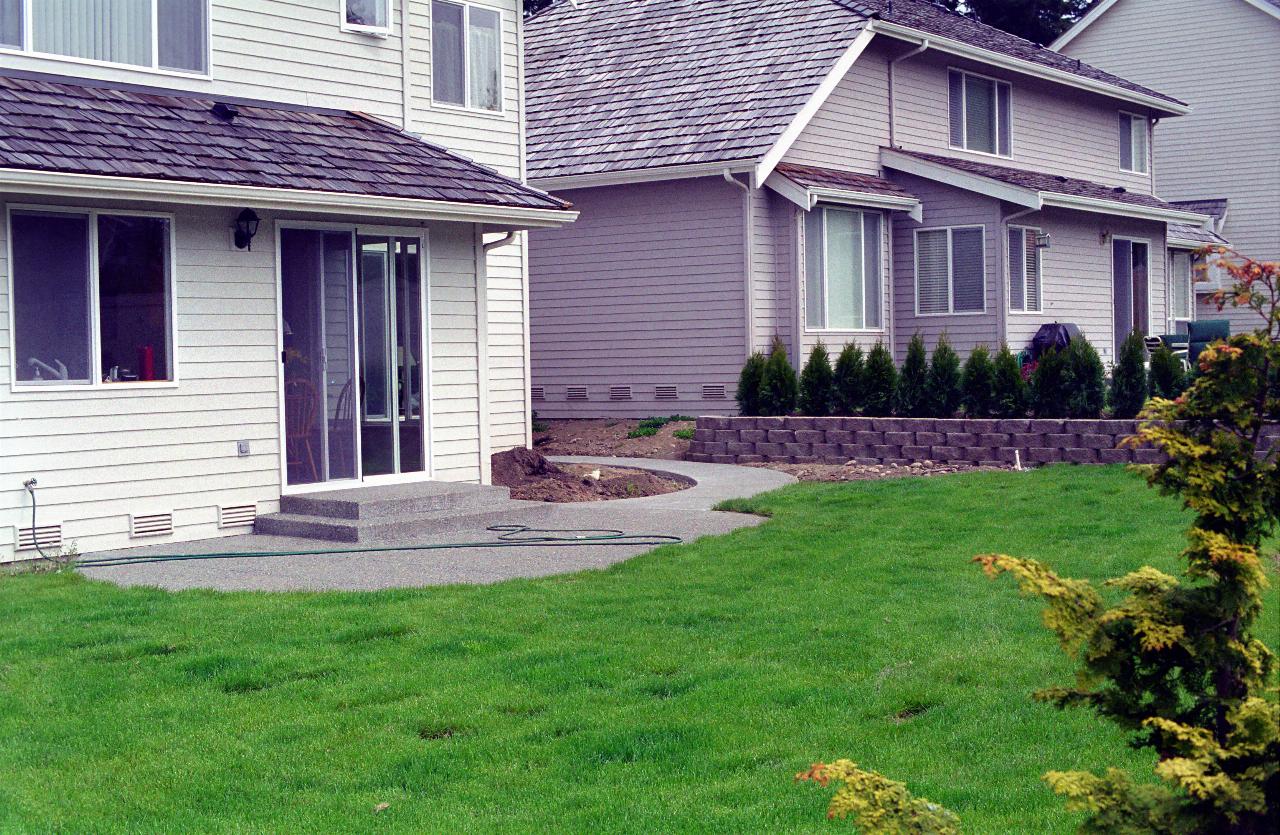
x=237, y=515
x=713, y=391
x=576, y=393
x=153, y=524
x=537, y=392
x=48, y=537
x=619, y=392
x=665, y=393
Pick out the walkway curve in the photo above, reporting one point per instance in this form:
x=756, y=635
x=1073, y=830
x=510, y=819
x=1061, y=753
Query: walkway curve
x=686, y=513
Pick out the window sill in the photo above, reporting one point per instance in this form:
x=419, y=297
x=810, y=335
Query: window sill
x=380, y=32
x=194, y=75
x=981, y=153
x=920, y=315
x=20, y=389
x=471, y=111
x=1026, y=312
x=825, y=331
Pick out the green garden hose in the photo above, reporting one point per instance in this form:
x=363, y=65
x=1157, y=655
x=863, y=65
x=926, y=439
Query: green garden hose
x=509, y=536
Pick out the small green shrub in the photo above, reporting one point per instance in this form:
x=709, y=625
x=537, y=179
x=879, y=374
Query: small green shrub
x=978, y=384
x=779, y=388
x=1010, y=388
x=913, y=382
x=1086, y=380
x=683, y=434
x=879, y=382
x=1049, y=385
x=537, y=425
x=1168, y=378
x=944, y=380
x=750, y=383
x=850, y=369
x=817, y=383
x=1129, y=378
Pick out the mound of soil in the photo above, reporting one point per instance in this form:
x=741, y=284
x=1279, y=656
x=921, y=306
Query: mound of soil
x=533, y=478
x=609, y=437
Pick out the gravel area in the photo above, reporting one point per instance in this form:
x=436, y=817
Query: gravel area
x=852, y=471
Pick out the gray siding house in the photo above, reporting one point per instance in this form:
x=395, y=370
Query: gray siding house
x=169, y=375
x=824, y=170
x=1223, y=58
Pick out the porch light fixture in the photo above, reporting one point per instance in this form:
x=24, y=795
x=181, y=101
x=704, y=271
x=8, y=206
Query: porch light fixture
x=246, y=228
x=1044, y=241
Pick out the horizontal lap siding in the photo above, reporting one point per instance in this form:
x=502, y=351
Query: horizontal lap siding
x=1225, y=67
x=455, y=389
x=943, y=206
x=646, y=289
x=1055, y=129
x=849, y=129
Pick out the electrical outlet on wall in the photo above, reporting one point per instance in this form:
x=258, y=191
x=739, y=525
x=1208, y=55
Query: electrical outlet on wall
x=242, y=448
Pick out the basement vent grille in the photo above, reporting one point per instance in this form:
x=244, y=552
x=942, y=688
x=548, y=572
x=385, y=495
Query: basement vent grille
x=48, y=537
x=237, y=515
x=576, y=393
x=665, y=393
x=154, y=524
x=713, y=391
x=538, y=393
x=619, y=392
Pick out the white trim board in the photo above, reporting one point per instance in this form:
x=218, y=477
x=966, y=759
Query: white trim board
x=641, y=175
x=806, y=198
x=276, y=199
x=1101, y=8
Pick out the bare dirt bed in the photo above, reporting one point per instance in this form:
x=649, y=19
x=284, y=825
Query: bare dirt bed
x=868, y=472
x=609, y=437
x=533, y=478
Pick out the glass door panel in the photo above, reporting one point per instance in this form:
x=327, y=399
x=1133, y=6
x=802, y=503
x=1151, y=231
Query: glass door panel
x=409, y=344
x=319, y=355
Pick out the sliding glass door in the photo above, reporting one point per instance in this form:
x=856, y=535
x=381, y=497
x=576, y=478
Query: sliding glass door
x=393, y=403
x=1130, y=265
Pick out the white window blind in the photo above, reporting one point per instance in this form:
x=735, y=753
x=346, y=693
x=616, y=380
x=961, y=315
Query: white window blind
x=950, y=271
x=842, y=270
x=159, y=34
x=1180, y=292
x=1024, y=270
x=981, y=113
x=1134, y=150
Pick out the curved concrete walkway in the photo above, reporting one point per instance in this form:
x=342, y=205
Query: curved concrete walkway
x=686, y=514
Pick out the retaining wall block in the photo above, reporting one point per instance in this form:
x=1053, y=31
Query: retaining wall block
x=994, y=439
x=810, y=436
x=825, y=451
x=1026, y=440
x=945, y=454
x=714, y=422
x=1066, y=440
x=770, y=422
x=750, y=459
x=797, y=449
x=1147, y=455
x=1044, y=455
x=1117, y=427
x=739, y=448
x=726, y=435
x=886, y=424
x=856, y=424
x=886, y=451
x=701, y=434
x=1012, y=425
x=1115, y=456
x=782, y=436
x=981, y=427
x=698, y=457
x=930, y=438
x=753, y=436
x=915, y=452
x=917, y=424
x=724, y=459
x=1044, y=426
x=839, y=436
x=899, y=438
x=1080, y=456
x=869, y=438
x=715, y=448
x=961, y=439
x=800, y=422
x=770, y=449
x=978, y=454
x=1107, y=441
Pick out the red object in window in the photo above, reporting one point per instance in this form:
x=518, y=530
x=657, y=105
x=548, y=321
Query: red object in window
x=146, y=363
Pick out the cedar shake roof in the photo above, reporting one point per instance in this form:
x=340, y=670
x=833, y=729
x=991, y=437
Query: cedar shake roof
x=72, y=128
x=624, y=85
x=1190, y=233
x=1037, y=181
x=811, y=177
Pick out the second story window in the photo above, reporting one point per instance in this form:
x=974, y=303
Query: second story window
x=154, y=34
x=1134, y=150
x=373, y=16
x=466, y=55
x=981, y=113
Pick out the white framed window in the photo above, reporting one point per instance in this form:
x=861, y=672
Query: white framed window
x=843, y=275
x=1024, y=270
x=981, y=113
x=466, y=56
x=161, y=35
x=1135, y=150
x=372, y=17
x=951, y=270
x=92, y=297
x=1181, y=294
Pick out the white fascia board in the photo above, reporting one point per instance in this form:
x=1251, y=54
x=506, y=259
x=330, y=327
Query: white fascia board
x=1178, y=243
x=791, y=190
x=997, y=59
x=1116, y=207
x=811, y=107
x=945, y=174
x=806, y=198
x=640, y=175
x=1081, y=24
x=1264, y=6
x=51, y=183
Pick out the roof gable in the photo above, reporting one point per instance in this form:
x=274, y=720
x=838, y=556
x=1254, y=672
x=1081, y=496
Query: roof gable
x=1099, y=8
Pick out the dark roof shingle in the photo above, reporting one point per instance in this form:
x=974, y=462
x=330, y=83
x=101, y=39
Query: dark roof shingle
x=72, y=128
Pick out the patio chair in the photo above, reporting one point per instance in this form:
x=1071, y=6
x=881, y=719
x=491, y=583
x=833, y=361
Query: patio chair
x=1202, y=332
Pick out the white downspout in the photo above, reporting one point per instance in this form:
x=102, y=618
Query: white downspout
x=748, y=290
x=921, y=48
x=1002, y=285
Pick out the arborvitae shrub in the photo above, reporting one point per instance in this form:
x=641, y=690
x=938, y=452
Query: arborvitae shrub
x=817, y=383
x=1011, y=394
x=849, y=373
x=913, y=383
x=779, y=387
x=879, y=383
x=1049, y=385
x=1129, y=378
x=978, y=384
x=1086, y=380
x=750, y=382
x=944, y=380
x=1168, y=378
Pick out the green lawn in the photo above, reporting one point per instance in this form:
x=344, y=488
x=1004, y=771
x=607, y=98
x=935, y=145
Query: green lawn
x=679, y=691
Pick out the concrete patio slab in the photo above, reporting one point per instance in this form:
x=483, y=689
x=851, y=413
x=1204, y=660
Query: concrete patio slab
x=686, y=514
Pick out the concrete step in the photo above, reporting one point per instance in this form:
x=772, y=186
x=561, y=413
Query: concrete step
x=394, y=500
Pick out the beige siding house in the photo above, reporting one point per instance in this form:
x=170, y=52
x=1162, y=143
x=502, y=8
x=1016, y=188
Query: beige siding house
x=1223, y=58
x=164, y=373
